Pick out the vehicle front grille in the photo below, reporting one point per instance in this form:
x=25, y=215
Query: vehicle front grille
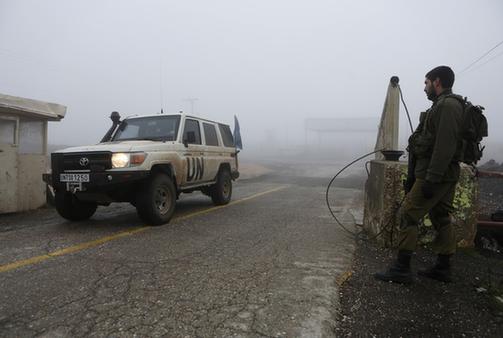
x=93, y=161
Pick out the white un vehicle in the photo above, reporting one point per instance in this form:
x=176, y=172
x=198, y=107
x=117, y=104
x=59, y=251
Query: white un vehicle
x=147, y=161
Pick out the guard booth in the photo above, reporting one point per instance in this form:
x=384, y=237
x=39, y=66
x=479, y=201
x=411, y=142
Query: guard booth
x=23, y=151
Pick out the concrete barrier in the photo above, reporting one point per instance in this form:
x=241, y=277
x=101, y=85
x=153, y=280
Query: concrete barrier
x=384, y=194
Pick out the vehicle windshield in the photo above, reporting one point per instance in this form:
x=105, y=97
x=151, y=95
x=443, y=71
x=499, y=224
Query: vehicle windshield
x=155, y=128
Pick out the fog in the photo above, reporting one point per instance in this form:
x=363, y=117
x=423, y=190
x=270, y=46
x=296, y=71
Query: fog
x=273, y=64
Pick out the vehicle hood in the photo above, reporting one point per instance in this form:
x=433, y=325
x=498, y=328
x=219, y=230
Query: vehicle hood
x=114, y=147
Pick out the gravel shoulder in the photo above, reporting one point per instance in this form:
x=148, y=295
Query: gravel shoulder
x=469, y=307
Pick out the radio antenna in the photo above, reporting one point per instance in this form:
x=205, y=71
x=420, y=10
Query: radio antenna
x=161, y=85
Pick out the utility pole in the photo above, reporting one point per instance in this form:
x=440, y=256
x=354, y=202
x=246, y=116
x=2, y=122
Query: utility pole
x=192, y=101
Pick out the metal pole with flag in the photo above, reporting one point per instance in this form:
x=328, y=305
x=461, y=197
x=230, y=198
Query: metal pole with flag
x=237, y=134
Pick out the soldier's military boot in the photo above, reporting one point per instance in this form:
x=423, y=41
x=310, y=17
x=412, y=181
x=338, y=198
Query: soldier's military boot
x=441, y=271
x=399, y=271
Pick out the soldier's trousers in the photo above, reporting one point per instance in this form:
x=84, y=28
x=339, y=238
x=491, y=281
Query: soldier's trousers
x=439, y=207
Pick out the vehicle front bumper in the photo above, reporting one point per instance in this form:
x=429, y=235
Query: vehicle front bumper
x=98, y=181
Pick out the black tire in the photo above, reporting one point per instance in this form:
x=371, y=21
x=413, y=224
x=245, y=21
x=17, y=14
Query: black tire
x=69, y=207
x=156, y=201
x=221, y=192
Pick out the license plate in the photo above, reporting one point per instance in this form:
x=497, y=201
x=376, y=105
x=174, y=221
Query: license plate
x=74, y=177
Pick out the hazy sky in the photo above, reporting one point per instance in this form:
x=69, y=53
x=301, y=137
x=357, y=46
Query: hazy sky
x=272, y=63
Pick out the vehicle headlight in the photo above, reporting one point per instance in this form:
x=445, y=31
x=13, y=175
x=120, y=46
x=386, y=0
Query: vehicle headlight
x=123, y=160
x=120, y=160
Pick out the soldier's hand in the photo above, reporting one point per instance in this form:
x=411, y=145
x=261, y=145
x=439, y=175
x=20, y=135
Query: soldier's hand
x=428, y=189
x=407, y=184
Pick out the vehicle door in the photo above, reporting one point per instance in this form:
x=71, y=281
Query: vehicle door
x=213, y=151
x=194, y=152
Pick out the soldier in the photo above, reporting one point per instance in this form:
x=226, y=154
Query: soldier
x=435, y=148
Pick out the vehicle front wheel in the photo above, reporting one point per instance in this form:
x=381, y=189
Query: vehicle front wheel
x=156, y=201
x=69, y=207
x=221, y=191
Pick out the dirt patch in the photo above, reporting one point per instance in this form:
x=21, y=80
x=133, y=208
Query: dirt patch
x=252, y=170
x=469, y=307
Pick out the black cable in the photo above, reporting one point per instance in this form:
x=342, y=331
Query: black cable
x=367, y=168
x=483, y=64
x=481, y=57
x=406, y=110
x=358, y=234
x=385, y=227
x=330, y=184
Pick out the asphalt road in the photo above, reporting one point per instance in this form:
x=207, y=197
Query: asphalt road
x=268, y=264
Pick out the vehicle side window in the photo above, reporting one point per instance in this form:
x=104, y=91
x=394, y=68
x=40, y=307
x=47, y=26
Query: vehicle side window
x=210, y=134
x=191, y=132
x=226, y=135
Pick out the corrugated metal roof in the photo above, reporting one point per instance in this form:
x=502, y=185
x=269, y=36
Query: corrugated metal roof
x=31, y=108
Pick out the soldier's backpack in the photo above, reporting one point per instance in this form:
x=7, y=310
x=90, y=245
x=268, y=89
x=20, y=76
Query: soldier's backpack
x=474, y=129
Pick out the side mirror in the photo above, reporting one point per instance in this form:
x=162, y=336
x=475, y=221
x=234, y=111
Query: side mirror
x=190, y=138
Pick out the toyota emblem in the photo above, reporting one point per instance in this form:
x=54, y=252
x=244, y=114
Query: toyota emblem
x=84, y=161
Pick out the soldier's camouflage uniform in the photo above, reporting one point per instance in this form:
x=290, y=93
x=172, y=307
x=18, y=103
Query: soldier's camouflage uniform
x=436, y=145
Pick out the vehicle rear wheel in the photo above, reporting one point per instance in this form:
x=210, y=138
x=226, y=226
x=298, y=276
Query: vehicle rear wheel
x=221, y=191
x=156, y=201
x=69, y=207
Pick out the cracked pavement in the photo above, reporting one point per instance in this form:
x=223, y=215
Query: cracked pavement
x=266, y=267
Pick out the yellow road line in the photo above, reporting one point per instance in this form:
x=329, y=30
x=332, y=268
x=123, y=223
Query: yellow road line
x=87, y=245
x=197, y=213
x=71, y=249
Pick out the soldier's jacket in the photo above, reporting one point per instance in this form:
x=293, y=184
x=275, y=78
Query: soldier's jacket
x=436, y=143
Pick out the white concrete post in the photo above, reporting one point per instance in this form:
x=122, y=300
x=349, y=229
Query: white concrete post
x=387, y=137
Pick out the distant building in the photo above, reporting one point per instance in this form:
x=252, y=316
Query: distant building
x=23, y=151
x=323, y=131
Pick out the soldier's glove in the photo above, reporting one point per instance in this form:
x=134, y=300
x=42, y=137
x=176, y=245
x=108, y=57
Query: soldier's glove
x=428, y=189
x=407, y=184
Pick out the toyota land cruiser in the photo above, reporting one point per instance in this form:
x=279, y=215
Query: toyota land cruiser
x=147, y=161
